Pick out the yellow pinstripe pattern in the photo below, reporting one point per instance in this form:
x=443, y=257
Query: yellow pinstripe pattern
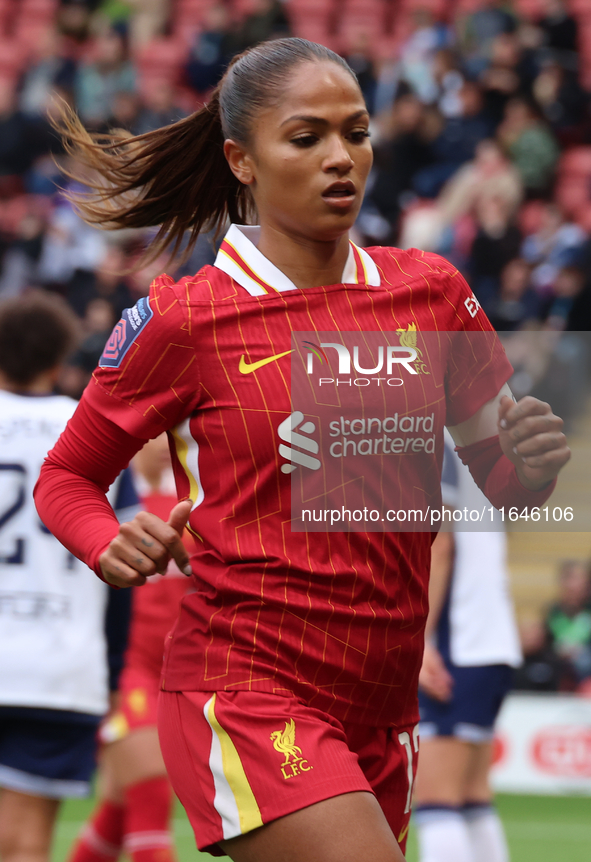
x=248, y=809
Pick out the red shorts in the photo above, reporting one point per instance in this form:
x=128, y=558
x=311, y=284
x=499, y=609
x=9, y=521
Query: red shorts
x=138, y=705
x=240, y=759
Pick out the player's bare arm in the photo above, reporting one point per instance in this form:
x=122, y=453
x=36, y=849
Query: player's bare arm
x=144, y=546
x=434, y=677
x=530, y=435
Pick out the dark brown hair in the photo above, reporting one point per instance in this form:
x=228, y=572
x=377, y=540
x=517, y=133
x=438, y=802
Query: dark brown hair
x=37, y=331
x=177, y=177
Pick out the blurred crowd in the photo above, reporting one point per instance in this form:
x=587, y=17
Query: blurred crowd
x=557, y=647
x=481, y=123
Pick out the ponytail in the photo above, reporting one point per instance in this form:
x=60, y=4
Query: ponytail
x=177, y=177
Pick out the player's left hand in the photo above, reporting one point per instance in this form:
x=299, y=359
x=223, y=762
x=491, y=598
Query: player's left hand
x=531, y=437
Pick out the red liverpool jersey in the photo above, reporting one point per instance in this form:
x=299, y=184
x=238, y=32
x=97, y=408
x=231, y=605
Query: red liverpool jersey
x=336, y=618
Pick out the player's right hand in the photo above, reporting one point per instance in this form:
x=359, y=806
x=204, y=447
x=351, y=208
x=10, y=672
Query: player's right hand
x=434, y=678
x=144, y=546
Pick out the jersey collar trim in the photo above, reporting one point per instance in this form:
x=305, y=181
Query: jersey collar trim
x=240, y=258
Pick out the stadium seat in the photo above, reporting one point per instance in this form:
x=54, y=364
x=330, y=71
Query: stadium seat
x=162, y=58
x=572, y=194
x=13, y=57
x=583, y=217
x=530, y=217
x=439, y=8
x=576, y=161
x=464, y=7
x=300, y=6
x=37, y=11
x=531, y=9
x=579, y=8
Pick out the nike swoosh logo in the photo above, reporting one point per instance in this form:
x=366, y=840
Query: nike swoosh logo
x=248, y=367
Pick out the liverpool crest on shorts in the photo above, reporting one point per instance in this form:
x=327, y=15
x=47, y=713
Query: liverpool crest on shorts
x=284, y=742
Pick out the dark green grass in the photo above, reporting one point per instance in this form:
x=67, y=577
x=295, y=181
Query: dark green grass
x=539, y=829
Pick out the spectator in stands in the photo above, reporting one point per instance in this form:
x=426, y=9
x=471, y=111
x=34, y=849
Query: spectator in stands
x=579, y=319
x=211, y=51
x=496, y=243
x=560, y=32
x=517, y=302
x=266, y=20
x=418, y=52
x=448, y=83
x=125, y=112
x=97, y=325
x=22, y=140
x=504, y=77
x=148, y=20
x=530, y=144
x=359, y=57
x=561, y=98
x=569, y=624
x=21, y=252
x=97, y=83
x=104, y=281
x=69, y=245
x=541, y=669
x=73, y=20
x=567, y=286
x=556, y=244
x=456, y=144
x=49, y=68
x=159, y=109
x=479, y=32
x=488, y=176
x=400, y=154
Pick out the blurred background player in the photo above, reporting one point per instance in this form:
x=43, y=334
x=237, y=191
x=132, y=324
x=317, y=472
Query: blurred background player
x=133, y=814
x=471, y=648
x=55, y=616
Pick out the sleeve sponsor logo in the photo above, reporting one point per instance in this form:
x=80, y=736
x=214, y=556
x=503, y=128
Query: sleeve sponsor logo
x=472, y=305
x=126, y=331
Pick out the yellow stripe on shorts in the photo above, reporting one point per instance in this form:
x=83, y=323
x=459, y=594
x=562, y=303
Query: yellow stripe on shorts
x=230, y=778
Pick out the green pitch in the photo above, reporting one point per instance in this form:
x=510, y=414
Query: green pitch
x=539, y=829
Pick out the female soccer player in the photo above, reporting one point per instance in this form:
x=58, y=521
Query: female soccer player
x=288, y=705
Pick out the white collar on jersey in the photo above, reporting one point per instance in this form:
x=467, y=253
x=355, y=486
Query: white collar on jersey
x=240, y=258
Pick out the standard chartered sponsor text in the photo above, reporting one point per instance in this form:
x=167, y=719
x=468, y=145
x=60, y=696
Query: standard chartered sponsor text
x=435, y=516
x=375, y=435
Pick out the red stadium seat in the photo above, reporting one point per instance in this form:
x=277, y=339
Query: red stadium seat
x=531, y=9
x=6, y=10
x=13, y=57
x=363, y=7
x=530, y=217
x=192, y=9
x=576, y=161
x=583, y=217
x=572, y=194
x=37, y=10
x=299, y=6
x=162, y=57
x=579, y=8
x=439, y=8
x=464, y=7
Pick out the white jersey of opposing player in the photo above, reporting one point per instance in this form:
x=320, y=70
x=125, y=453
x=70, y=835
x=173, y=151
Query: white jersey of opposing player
x=52, y=607
x=482, y=627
